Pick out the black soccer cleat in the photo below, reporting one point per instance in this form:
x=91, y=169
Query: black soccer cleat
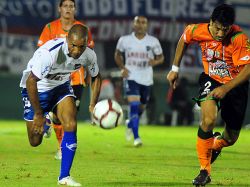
x=215, y=153
x=202, y=179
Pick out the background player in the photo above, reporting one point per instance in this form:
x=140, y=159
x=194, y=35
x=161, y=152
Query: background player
x=223, y=84
x=142, y=52
x=59, y=29
x=46, y=85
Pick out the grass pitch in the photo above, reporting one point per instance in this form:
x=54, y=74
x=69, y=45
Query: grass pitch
x=105, y=159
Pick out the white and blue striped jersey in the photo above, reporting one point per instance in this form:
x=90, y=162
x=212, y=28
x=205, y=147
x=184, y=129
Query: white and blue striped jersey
x=52, y=65
x=137, y=55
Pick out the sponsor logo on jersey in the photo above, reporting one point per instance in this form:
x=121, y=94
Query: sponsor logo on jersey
x=219, y=68
x=46, y=70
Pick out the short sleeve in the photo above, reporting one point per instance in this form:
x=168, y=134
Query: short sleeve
x=42, y=63
x=157, y=47
x=241, y=51
x=120, y=44
x=188, y=33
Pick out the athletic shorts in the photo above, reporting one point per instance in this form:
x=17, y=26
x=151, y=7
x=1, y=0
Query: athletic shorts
x=78, y=89
x=233, y=105
x=48, y=100
x=134, y=89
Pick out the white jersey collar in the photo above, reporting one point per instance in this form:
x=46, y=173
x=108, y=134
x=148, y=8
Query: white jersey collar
x=133, y=34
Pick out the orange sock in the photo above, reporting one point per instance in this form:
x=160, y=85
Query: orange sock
x=59, y=134
x=219, y=143
x=204, y=151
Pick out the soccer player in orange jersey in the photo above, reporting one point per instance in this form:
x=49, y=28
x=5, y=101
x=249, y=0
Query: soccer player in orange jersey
x=223, y=84
x=59, y=29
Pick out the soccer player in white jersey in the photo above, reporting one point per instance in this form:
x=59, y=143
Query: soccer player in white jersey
x=141, y=52
x=46, y=87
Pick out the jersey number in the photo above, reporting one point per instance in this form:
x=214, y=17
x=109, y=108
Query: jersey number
x=207, y=87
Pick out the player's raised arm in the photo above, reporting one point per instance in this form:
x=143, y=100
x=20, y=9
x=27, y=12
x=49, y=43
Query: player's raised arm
x=172, y=76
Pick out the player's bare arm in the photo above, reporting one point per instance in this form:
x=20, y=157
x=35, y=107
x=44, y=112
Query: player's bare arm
x=159, y=59
x=38, y=119
x=95, y=91
x=172, y=76
x=120, y=63
x=221, y=91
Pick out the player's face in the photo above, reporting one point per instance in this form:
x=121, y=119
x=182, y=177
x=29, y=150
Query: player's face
x=140, y=25
x=218, y=31
x=76, y=46
x=67, y=10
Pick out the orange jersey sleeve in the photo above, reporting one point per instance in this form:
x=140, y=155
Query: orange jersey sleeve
x=222, y=60
x=241, y=49
x=54, y=30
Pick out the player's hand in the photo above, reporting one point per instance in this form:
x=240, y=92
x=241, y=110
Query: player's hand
x=152, y=62
x=219, y=92
x=172, y=78
x=124, y=72
x=91, y=108
x=38, y=122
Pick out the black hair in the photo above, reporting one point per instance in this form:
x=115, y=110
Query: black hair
x=61, y=2
x=224, y=14
x=79, y=30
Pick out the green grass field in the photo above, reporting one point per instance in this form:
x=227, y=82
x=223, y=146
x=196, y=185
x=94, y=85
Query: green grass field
x=105, y=159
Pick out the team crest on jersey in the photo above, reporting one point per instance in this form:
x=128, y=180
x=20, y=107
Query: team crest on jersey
x=219, y=68
x=148, y=48
x=210, y=54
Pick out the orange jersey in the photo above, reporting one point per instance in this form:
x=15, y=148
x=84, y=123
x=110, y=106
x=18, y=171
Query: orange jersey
x=54, y=30
x=222, y=60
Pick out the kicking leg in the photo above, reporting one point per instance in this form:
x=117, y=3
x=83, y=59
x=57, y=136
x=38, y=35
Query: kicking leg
x=205, y=141
x=66, y=112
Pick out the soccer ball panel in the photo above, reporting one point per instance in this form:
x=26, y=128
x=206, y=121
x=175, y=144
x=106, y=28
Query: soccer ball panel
x=107, y=114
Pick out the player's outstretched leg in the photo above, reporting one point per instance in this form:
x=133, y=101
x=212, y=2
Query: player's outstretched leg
x=59, y=136
x=134, y=120
x=215, y=153
x=202, y=179
x=69, y=145
x=47, y=127
x=128, y=132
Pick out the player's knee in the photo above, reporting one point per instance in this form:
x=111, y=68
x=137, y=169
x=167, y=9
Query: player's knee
x=70, y=126
x=208, y=123
x=35, y=142
x=231, y=141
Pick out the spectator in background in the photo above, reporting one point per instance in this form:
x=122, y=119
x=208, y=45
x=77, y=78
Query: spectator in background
x=178, y=100
x=136, y=55
x=107, y=89
x=59, y=29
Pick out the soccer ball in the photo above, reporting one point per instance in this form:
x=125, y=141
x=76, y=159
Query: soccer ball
x=107, y=114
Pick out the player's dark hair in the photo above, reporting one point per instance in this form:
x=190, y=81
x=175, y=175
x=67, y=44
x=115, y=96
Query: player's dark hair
x=224, y=14
x=79, y=30
x=61, y=2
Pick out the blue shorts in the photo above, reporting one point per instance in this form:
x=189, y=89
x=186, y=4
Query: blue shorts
x=48, y=100
x=132, y=88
